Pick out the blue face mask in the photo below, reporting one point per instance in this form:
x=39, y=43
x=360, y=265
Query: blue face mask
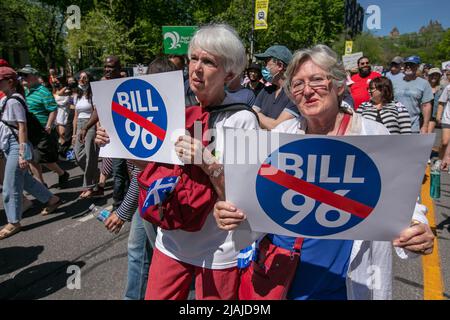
x=267, y=75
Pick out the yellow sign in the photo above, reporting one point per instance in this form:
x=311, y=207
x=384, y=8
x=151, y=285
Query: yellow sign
x=261, y=10
x=348, y=47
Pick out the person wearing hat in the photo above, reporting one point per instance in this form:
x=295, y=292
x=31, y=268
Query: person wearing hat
x=42, y=104
x=18, y=152
x=254, y=75
x=415, y=94
x=272, y=104
x=434, y=79
x=395, y=69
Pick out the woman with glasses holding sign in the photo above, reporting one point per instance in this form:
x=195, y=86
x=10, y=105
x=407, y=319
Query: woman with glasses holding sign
x=327, y=269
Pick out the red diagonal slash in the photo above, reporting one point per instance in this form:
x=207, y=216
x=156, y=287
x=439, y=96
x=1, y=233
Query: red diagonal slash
x=139, y=120
x=320, y=194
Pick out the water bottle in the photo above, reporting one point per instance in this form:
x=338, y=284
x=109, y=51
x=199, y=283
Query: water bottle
x=100, y=213
x=435, y=184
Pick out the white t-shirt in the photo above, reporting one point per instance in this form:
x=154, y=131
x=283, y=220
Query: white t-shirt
x=12, y=113
x=84, y=108
x=445, y=98
x=210, y=247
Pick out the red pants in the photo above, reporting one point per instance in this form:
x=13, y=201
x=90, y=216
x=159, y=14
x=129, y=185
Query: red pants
x=170, y=279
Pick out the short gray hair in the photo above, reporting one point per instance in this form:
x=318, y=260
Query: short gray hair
x=321, y=55
x=223, y=41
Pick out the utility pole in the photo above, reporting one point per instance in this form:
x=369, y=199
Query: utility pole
x=252, y=35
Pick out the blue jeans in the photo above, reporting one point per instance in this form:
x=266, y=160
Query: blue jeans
x=15, y=181
x=121, y=181
x=140, y=250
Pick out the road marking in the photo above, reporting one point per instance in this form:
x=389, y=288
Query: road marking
x=432, y=276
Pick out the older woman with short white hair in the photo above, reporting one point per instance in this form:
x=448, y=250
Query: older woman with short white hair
x=332, y=269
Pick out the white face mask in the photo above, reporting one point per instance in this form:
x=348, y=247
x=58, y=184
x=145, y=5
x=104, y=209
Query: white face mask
x=409, y=72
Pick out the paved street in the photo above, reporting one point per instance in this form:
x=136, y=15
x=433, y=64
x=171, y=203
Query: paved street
x=34, y=263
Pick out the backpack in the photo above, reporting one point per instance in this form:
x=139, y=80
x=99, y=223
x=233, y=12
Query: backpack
x=35, y=131
x=181, y=197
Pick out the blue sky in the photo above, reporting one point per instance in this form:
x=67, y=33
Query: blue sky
x=408, y=15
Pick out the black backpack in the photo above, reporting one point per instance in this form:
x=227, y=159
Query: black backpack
x=34, y=128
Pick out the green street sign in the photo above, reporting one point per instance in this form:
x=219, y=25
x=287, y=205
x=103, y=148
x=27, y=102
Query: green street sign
x=176, y=38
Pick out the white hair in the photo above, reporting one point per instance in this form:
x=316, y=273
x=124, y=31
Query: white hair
x=223, y=41
x=322, y=56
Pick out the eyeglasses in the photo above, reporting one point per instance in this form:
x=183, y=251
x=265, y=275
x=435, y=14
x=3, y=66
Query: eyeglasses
x=362, y=64
x=316, y=82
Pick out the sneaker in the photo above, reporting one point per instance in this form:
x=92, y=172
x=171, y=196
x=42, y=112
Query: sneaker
x=63, y=178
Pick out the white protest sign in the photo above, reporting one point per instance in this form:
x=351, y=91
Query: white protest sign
x=446, y=65
x=350, y=61
x=143, y=116
x=354, y=187
x=378, y=69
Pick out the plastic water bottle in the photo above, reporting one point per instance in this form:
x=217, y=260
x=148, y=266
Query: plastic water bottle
x=100, y=213
x=435, y=183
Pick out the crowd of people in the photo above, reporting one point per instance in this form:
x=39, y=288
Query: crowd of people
x=308, y=92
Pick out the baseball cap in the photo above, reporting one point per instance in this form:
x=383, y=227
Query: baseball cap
x=397, y=60
x=28, y=70
x=278, y=52
x=7, y=73
x=434, y=70
x=413, y=59
x=4, y=63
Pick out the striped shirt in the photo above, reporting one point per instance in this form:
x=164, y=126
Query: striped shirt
x=41, y=103
x=394, y=116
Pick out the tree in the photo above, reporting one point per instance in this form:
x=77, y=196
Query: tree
x=38, y=26
x=293, y=23
x=100, y=35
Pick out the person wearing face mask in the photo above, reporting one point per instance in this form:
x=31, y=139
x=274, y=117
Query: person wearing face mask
x=361, y=82
x=415, y=94
x=86, y=151
x=272, y=104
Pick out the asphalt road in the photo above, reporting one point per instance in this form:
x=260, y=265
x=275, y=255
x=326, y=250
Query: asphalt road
x=39, y=262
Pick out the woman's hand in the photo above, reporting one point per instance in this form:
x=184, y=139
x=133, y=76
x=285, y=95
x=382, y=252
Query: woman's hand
x=23, y=164
x=113, y=223
x=418, y=238
x=101, y=137
x=227, y=216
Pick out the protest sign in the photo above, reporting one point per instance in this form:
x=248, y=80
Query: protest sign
x=355, y=187
x=350, y=61
x=139, y=70
x=143, y=116
x=446, y=65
